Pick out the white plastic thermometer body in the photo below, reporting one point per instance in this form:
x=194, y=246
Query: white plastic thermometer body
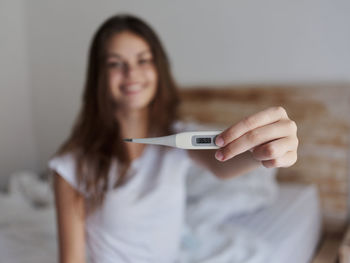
x=199, y=140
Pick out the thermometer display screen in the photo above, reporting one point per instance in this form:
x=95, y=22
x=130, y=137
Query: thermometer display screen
x=203, y=140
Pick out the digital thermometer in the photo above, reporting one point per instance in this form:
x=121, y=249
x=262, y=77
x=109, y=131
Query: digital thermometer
x=200, y=140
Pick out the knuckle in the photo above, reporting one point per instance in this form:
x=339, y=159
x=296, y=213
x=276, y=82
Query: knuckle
x=253, y=136
x=230, y=133
x=249, y=122
x=270, y=151
x=280, y=110
x=291, y=160
x=269, y=163
x=274, y=163
x=293, y=126
x=227, y=134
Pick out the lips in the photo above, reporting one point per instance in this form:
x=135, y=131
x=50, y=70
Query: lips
x=131, y=89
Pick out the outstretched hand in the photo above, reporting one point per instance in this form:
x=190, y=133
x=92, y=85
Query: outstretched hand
x=270, y=135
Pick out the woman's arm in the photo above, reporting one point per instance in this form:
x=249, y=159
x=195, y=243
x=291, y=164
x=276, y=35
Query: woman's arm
x=70, y=216
x=266, y=138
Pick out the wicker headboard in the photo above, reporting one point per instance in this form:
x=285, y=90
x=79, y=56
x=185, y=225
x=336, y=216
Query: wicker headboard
x=322, y=113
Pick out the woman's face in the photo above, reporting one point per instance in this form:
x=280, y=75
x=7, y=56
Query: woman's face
x=131, y=73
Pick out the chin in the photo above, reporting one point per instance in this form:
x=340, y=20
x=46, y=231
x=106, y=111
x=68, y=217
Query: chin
x=137, y=105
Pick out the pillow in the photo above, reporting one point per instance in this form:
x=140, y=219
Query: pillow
x=30, y=188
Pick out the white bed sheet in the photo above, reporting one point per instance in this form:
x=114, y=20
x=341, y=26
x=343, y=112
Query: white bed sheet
x=27, y=235
x=292, y=225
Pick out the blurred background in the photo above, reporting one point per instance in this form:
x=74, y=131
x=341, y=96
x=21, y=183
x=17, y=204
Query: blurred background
x=44, y=48
x=43, y=53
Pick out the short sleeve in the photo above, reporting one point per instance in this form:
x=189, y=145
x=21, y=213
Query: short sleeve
x=65, y=166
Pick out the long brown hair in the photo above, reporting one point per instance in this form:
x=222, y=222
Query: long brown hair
x=95, y=139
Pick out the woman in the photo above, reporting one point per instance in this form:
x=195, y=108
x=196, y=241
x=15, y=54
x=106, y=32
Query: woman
x=125, y=201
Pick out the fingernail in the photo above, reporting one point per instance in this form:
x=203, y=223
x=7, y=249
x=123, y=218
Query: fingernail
x=219, y=141
x=219, y=156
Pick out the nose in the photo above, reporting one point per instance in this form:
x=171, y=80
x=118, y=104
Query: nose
x=130, y=70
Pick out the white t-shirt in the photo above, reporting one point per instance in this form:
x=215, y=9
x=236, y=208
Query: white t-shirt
x=142, y=220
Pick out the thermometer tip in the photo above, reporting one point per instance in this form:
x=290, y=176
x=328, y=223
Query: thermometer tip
x=127, y=140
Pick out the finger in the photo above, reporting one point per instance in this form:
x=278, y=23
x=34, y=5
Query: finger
x=281, y=129
x=285, y=161
x=252, y=122
x=275, y=149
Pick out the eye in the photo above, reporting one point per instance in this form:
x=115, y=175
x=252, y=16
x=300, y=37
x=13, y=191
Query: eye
x=145, y=61
x=115, y=64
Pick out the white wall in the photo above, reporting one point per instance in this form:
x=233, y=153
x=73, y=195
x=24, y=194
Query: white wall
x=208, y=41
x=17, y=145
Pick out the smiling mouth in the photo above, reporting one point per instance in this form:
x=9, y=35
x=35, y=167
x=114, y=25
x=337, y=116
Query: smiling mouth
x=132, y=89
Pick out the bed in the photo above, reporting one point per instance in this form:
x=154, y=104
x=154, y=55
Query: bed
x=321, y=112
x=250, y=218
x=28, y=235
x=294, y=219
x=312, y=202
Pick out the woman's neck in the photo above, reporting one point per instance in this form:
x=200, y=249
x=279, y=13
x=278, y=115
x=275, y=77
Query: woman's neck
x=133, y=124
